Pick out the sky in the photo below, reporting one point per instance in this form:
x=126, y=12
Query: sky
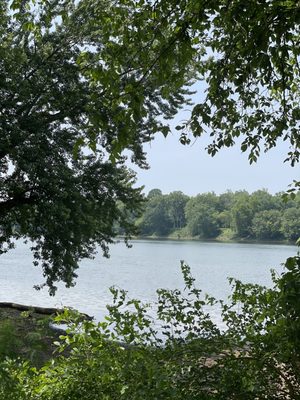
x=191, y=170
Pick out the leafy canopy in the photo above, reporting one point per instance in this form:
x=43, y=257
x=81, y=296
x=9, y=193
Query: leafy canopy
x=249, y=61
x=140, y=54
x=77, y=86
x=105, y=76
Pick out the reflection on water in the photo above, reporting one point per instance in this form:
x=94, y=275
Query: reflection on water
x=142, y=269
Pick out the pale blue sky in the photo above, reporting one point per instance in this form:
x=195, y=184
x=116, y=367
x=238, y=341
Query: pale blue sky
x=191, y=170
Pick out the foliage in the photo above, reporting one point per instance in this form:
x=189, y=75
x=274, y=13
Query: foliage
x=248, y=58
x=267, y=225
x=290, y=224
x=181, y=355
x=201, y=215
x=154, y=193
x=26, y=335
x=289, y=301
x=83, y=80
x=176, y=202
x=137, y=56
x=258, y=216
x=242, y=214
x=11, y=376
x=155, y=220
x=78, y=85
x=8, y=339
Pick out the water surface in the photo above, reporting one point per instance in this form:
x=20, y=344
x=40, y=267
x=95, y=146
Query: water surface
x=142, y=269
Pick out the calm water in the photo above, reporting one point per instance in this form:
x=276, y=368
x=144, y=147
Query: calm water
x=142, y=269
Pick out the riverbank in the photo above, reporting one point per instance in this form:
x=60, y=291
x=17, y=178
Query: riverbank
x=29, y=332
x=222, y=238
x=26, y=334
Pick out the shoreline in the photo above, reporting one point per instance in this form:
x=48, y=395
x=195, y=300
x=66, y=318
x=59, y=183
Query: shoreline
x=214, y=240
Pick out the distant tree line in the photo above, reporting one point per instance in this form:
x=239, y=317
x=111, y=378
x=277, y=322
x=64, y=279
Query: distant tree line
x=231, y=215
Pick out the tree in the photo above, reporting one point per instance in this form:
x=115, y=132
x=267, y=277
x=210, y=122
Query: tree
x=202, y=215
x=226, y=201
x=98, y=74
x=154, y=193
x=261, y=200
x=249, y=61
x=153, y=48
x=266, y=225
x=176, y=202
x=242, y=214
x=77, y=86
x=155, y=219
x=291, y=223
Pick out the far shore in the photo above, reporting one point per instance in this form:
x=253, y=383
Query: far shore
x=214, y=240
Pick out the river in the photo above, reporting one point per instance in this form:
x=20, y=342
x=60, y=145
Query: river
x=147, y=266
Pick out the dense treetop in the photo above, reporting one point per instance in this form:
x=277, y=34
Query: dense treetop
x=139, y=54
